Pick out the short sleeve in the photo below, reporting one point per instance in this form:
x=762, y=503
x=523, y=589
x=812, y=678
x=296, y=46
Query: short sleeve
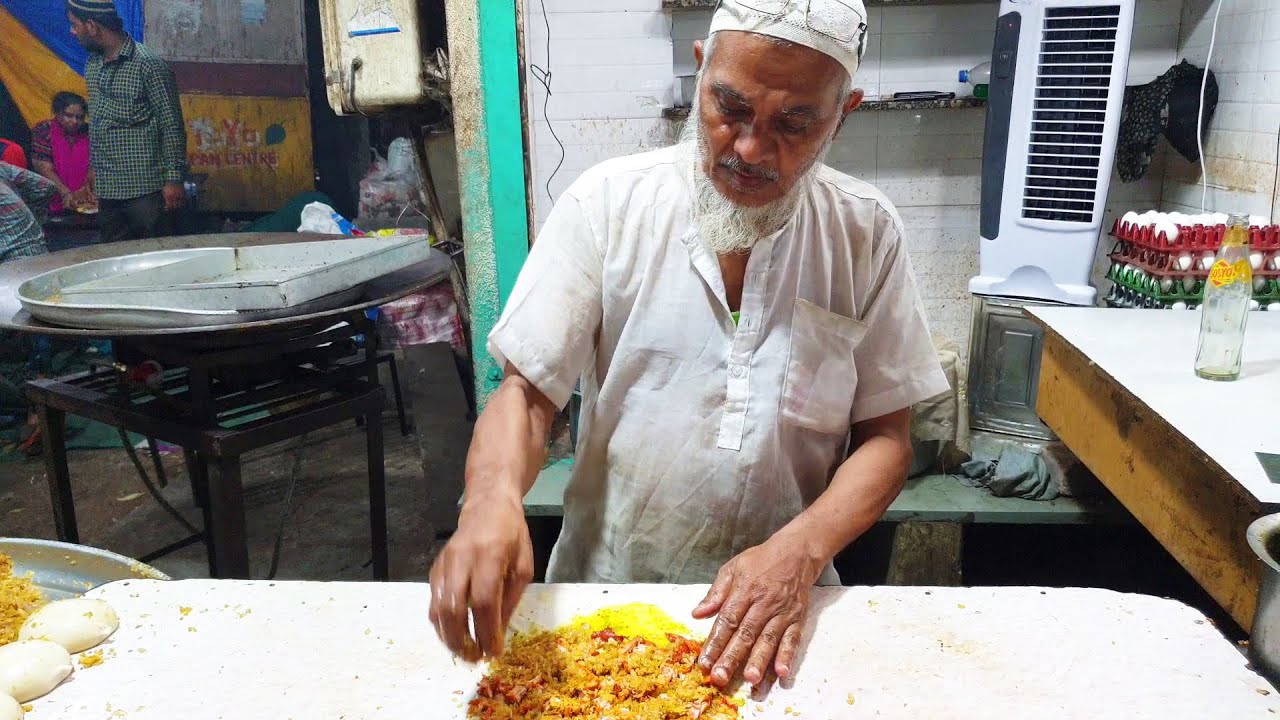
x=897, y=363
x=549, y=326
x=42, y=142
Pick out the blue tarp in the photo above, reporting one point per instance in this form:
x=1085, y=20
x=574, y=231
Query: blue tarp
x=47, y=20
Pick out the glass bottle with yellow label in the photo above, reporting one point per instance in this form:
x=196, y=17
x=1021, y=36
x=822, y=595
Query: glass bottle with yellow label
x=1226, y=305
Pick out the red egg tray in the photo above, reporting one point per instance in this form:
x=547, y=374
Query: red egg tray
x=1194, y=237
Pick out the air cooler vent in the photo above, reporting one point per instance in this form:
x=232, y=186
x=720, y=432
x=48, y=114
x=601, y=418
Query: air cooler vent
x=1078, y=47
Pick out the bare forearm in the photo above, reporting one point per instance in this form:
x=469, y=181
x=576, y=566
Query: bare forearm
x=509, y=445
x=46, y=169
x=863, y=488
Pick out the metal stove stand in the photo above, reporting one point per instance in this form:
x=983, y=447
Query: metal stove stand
x=219, y=396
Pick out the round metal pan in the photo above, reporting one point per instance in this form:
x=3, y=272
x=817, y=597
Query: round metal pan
x=62, y=570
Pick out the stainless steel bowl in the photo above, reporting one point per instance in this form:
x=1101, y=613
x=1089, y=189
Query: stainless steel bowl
x=62, y=570
x=1264, y=641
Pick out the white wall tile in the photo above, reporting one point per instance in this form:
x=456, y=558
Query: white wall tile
x=605, y=105
x=974, y=19
x=1153, y=51
x=609, y=78
x=1266, y=118
x=1271, y=27
x=597, y=25
x=690, y=24
x=648, y=131
x=933, y=122
x=535, y=7
x=1151, y=13
x=622, y=51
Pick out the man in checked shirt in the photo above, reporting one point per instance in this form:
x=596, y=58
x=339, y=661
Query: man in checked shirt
x=136, y=132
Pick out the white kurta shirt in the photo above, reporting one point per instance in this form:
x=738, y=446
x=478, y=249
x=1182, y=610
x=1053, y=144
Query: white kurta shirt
x=699, y=438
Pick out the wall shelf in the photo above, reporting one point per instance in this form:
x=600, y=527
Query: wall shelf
x=682, y=113
x=709, y=4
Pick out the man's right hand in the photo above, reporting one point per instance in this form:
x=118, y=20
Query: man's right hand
x=482, y=572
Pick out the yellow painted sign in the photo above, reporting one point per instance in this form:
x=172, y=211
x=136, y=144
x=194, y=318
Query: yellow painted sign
x=255, y=151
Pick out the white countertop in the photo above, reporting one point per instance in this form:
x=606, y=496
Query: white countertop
x=207, y=649
x=1151, y=353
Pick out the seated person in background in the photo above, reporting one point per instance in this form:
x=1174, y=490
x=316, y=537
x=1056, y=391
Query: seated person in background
x=60, y=152
x=24, y=196
x=12, y=153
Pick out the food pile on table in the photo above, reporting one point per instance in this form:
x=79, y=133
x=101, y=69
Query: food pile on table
x=38, y=638
x=625, y=662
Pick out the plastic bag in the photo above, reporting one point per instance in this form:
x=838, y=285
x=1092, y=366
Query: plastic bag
x=392, y=186
x=320, y=218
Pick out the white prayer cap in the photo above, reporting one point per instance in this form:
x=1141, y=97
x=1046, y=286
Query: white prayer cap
x=836, y=28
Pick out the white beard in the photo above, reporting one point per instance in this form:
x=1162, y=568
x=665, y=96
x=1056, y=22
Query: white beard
x=726, y=228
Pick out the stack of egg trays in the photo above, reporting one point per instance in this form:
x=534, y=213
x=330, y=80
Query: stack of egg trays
x=1153, y=271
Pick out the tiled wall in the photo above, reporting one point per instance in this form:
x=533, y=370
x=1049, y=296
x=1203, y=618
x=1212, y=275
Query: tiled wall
x=927, y=162
x=611, y=66
x=1241, y=145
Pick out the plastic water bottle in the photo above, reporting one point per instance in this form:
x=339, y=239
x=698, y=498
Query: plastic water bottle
x=979, y=77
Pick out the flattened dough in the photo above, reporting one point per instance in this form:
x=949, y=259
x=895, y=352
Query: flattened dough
x=76, y=624
x=31, y=668
x=10, y=709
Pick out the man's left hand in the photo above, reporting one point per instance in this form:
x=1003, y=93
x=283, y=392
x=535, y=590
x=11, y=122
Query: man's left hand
x=175, y=196
x=760, y=597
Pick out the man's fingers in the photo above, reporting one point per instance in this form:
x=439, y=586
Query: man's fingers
x=763, y=652
x=487, y=596
x=452, y=601
x=520, y=577
x=716, y=594
x=731, y=615
x=784, y=664
x=740, y=644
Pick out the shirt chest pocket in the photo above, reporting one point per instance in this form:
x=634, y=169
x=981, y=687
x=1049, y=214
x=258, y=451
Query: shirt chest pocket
x=821, y=378
x=126, y=103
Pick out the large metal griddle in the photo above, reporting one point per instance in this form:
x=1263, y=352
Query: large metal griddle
x=374, y=292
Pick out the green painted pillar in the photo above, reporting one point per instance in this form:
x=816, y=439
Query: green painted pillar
x=484, y=65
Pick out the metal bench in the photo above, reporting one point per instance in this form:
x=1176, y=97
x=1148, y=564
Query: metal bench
x=929, y=514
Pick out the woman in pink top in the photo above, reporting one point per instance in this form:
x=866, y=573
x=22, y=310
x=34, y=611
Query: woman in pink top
x=60, y=152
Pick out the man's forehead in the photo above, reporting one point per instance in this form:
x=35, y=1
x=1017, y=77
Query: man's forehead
x=741, y=60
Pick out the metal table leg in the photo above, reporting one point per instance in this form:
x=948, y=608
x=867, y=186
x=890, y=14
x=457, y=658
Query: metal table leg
x=228, y=542
x=198, y=475
x=377, y=495
x=53, y=429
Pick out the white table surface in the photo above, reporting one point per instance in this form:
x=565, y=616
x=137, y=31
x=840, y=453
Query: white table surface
x=1151, y=354
x=330, y=651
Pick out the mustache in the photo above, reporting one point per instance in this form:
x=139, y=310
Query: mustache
x=738, y=165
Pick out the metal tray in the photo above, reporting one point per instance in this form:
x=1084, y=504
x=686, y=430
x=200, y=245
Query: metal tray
x=215, y=286
x=62, y=570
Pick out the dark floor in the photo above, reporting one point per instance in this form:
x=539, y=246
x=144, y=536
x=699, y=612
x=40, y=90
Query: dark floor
x=326, y=535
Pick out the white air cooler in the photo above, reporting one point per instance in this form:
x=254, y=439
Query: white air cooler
x=1058, y=71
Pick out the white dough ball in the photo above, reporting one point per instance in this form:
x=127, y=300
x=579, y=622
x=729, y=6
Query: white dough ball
x=31, y=668
x=76, y=624
x=10, y=709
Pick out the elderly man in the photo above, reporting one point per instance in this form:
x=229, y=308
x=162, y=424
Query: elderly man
x=740, y=316
x=138, y=141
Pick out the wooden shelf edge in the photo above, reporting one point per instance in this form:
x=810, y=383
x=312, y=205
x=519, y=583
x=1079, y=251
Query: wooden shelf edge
x=681, y=113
